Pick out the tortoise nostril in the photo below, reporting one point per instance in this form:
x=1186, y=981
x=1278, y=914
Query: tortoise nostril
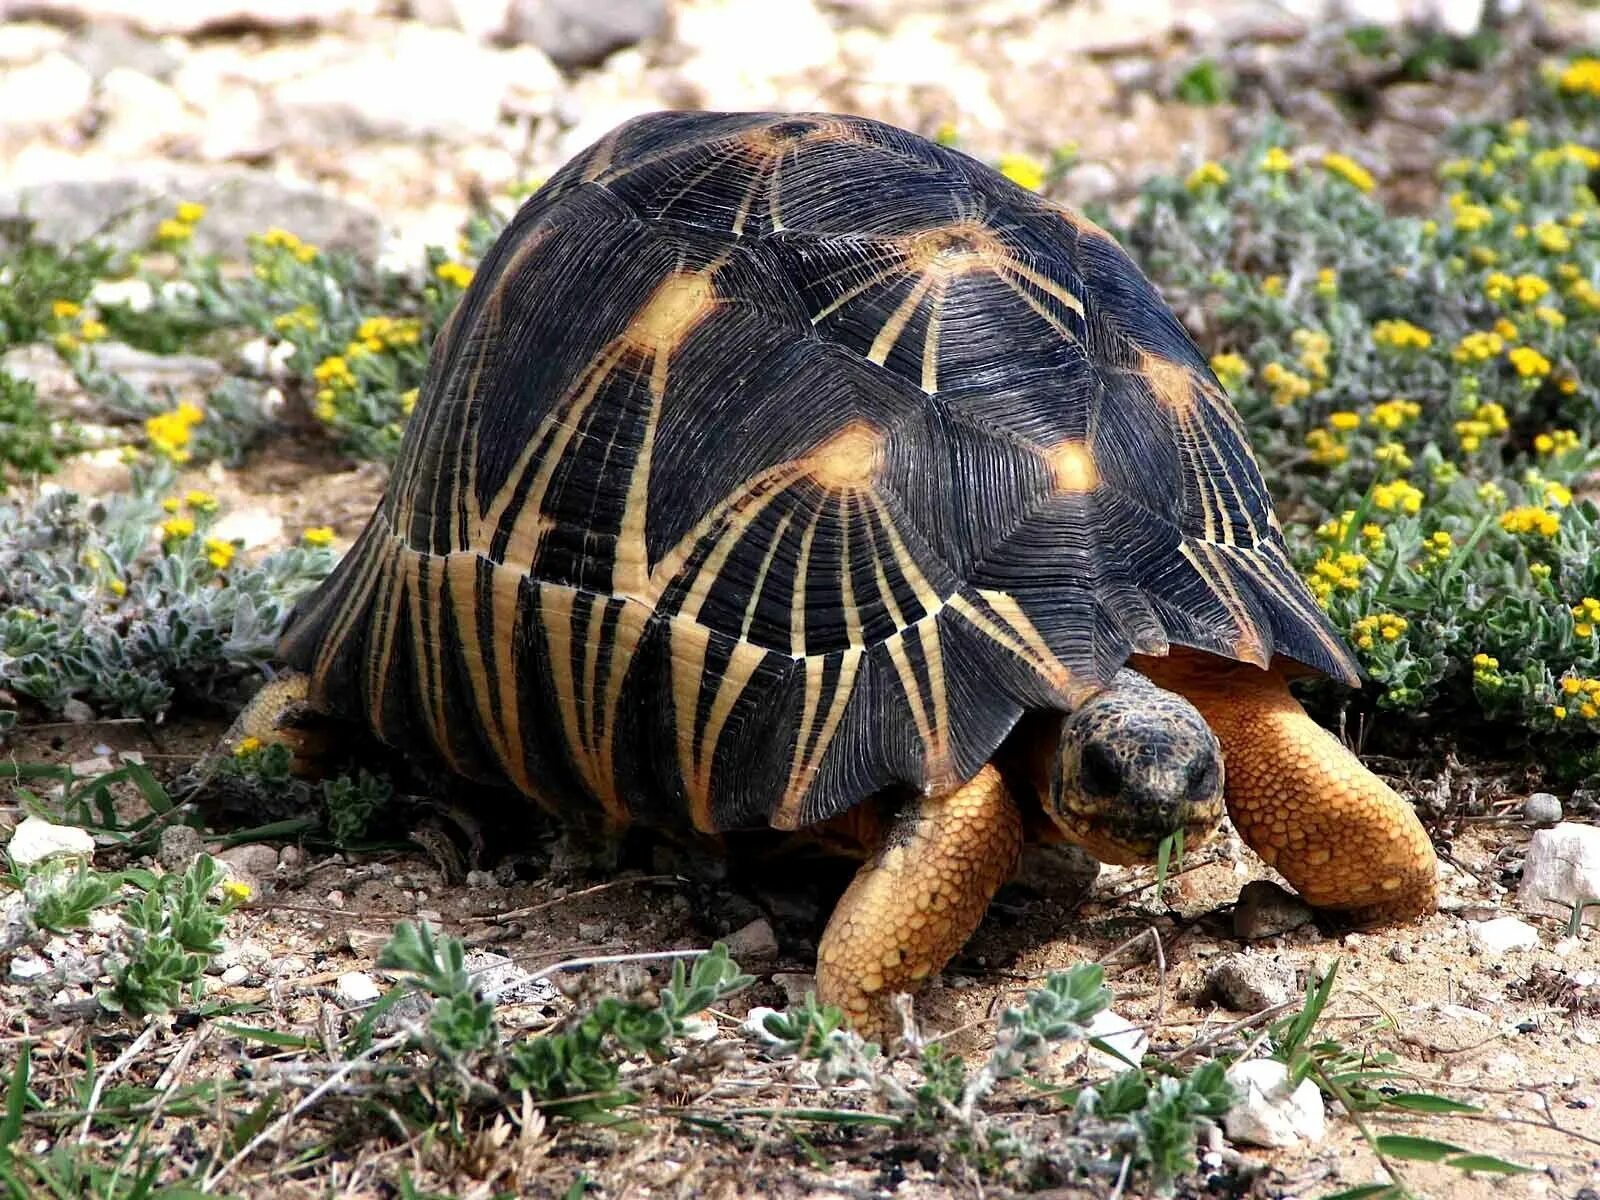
x=1203, y=773
x=1100, y=771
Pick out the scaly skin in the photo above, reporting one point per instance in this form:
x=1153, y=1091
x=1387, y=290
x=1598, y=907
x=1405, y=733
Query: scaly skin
x=1340, y=835
x=917, y=899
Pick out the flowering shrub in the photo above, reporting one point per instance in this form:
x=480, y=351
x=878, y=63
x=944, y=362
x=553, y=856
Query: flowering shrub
x=1422, y=394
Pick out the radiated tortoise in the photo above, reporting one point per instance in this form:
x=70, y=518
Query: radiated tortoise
x=782, y=470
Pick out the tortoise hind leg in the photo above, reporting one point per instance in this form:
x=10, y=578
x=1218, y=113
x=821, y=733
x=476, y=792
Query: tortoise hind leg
x=917, y=899
x=1306, y=804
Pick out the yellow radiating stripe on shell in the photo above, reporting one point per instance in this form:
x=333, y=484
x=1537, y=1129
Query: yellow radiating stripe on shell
x=498, y=707
x=809, y=732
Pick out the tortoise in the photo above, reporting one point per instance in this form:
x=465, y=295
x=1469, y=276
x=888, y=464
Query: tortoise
x=793, y=471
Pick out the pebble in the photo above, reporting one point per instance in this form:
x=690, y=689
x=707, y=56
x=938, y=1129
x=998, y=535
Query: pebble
x=204, y=16
x=357, y=987
x=503, y=982
x=1541, y=809
x=1561, y=869
x=36, y=840
x=1121, y=1035
x=1249, y=983
x=795, y=985
x=579, y=33
x=180, y=845
x=1266, y=910
x=753, y=943
x=1400, y=952
x=1501, y=935
x=251, y=863
x=235, y=975
x=593, y=931
x=26, y=965
x=1267, y=1113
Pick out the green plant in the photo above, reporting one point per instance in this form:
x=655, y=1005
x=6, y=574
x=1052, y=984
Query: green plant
x=30, y=443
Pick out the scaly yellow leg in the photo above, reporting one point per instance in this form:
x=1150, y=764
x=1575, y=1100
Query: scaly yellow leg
x=1303, y=802
x=917, y=900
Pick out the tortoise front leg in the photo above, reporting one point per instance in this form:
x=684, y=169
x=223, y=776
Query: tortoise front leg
x=917, y=899
x=1306, y=804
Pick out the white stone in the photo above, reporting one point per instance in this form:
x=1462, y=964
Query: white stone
x=24, y=41
x=138, y=114
x=267, y=359
x=375, y=93
x=1562, y=869
x=482, y=19
x=36, y=840
x=134, y=294
x=235, y=975
x=1503, y=934
x=754, y=1025
x=1117, y=1032
x=1267, y=1112
x=357, y=987
x=252, y=527
x=50, y=95
x=28, y=965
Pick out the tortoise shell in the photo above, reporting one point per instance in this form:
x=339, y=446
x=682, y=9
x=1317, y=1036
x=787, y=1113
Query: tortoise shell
x=772, y=461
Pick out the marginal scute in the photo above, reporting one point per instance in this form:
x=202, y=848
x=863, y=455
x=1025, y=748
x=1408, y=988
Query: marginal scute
x=849, y=459
x=1072, y=468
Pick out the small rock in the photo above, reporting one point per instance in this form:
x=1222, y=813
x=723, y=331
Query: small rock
x=48, y=96
x=755, y=942
x=593, y=931
x=795, y=985
x=266, y=359
x=291, y=858
x=174, y=373
x=289, y=966
x=138, y=114
x=1267, y=1113
x=251, y=863
x=201, y=16
x=579, y=33
x=1400, y=952
x=1503, y=934
x=133, y=294
x=252, y=527
x=235, y=975
x=503, y=982
x=483, y=19
x=1541, y=809
x=1121, y=1035
x=60, y=394
x=1562, y=869
x=77, y=711
x=754, y=1025
x=180, y=846
x=1266, y=910
x=1090, y=183
x=27, y=965
x=1249, y=983
x=36, y=840
x=357, y=987
x=481, y=879
x=1065, y=872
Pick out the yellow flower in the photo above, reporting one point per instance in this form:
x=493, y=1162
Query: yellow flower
x=200, y=501
x=303, y=317
x=1023, y=170
x=1438, y=546
x=177, y=528
x=1286, y=386
x=169, y=432
x=1276, y=161
x=1395, y=414
x=220, y=553
x=1556, y=495
x=64, y=310
x=1327, y=282
x=190, y=213
x=946, y=134
x=236, y=890
x=1401, y=335
x=118, y=588
x=335, y=372
x=247, y=745
x=1506, y=329
x=1556, y=441
x=1529, y=519
x=1397, y=496
x=318, y=535
x=1581, y=75
x=1552, y=317
x=170, y=504
x=1326, y=449
x=1430, y=228
x=1272, y=285
x=1529, y=363
x=91, y=330
x=1531, y=289
x=1469, y=218
x=1552, y=238
x=1231, y=370
x=1392, y=454
x=454, y=273
x=1344, y=421
x=408, y=401
x=173, y=232
x=1350, y=171
x=1207, y=174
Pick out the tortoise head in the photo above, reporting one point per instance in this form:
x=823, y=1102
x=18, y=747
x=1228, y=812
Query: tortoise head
x=1135, y=764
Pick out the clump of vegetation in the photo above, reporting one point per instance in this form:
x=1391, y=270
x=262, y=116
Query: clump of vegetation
x=31, y=444
x=126, y=601
x=1421, y=393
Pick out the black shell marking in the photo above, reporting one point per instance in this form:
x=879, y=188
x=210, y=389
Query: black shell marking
x=771, y=461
